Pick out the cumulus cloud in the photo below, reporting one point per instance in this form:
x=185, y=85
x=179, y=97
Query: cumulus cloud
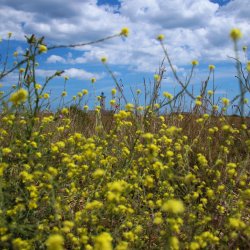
x=170, y=14
x=55, y=59
x=238, y=9
x=74, y=73
x=82, y=74
x=193, y=29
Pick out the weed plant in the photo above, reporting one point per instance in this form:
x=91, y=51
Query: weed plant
x=131, y=178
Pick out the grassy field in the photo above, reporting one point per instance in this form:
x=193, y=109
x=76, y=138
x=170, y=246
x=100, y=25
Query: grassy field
x=131, y=179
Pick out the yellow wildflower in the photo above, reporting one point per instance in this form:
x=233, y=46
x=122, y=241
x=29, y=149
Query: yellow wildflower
x=123, y=245
x=211, y=67
x=103, y=242
x=21, y=70
x=244, y=48
x=156, y=77
x=55, y=242
x=168, y=95
x=46, y=96
x=210, y=92
x=98, y=173
x=104, y=59
x=112, y=102
x=195, y=62
x=129, y=106
x=85, y=91
x=235, y=34
x=174, y=243
x=160, y=37
x=19, y=97
x=225, y=101
x=173, y=206
x=6, y=151
x=124, y=32
x=64, y=93
x=42, y=48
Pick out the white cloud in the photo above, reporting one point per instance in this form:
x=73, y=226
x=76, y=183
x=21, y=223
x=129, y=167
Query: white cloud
x=170, y=14
x=238, y=9
x=82, y=74
x=55, y=59
x=193, y=29
x=45, y=72
x=13, y=20
x=73, y=73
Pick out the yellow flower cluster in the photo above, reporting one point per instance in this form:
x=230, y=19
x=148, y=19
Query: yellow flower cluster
x=19, y=97
x=126, y=187
x=128, y=179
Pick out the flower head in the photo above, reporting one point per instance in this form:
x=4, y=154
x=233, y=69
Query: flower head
x=168, y=95
x=235, y=34
x=157, y=77
x=195, y=62
x=104, y=59
x=19, y=97
x=211, y=67
x=112, y=102
x=244, y=48
x=55, y=242
x=64, y=93
x=42, y=48
x=160, y=37
x=103, y=242
x=210, y=92
x=173, y=206
x=85, y=91
x=129, y=106
x=124, y=32
x=46, y=96
x=93, y=80
x=225, y=101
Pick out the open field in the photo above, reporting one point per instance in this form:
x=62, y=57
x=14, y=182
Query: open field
x=130, y=179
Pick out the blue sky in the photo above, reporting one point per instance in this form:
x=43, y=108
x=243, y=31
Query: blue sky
x=193, y=29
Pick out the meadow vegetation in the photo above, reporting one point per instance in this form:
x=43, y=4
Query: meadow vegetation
x=134, y=178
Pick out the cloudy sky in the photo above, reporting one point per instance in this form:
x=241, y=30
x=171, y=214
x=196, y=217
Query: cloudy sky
x=193, y=29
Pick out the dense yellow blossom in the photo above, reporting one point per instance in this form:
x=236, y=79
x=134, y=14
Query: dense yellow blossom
x=55, y=242
x=19, y=97
x=173, y=206
x=103, y=242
